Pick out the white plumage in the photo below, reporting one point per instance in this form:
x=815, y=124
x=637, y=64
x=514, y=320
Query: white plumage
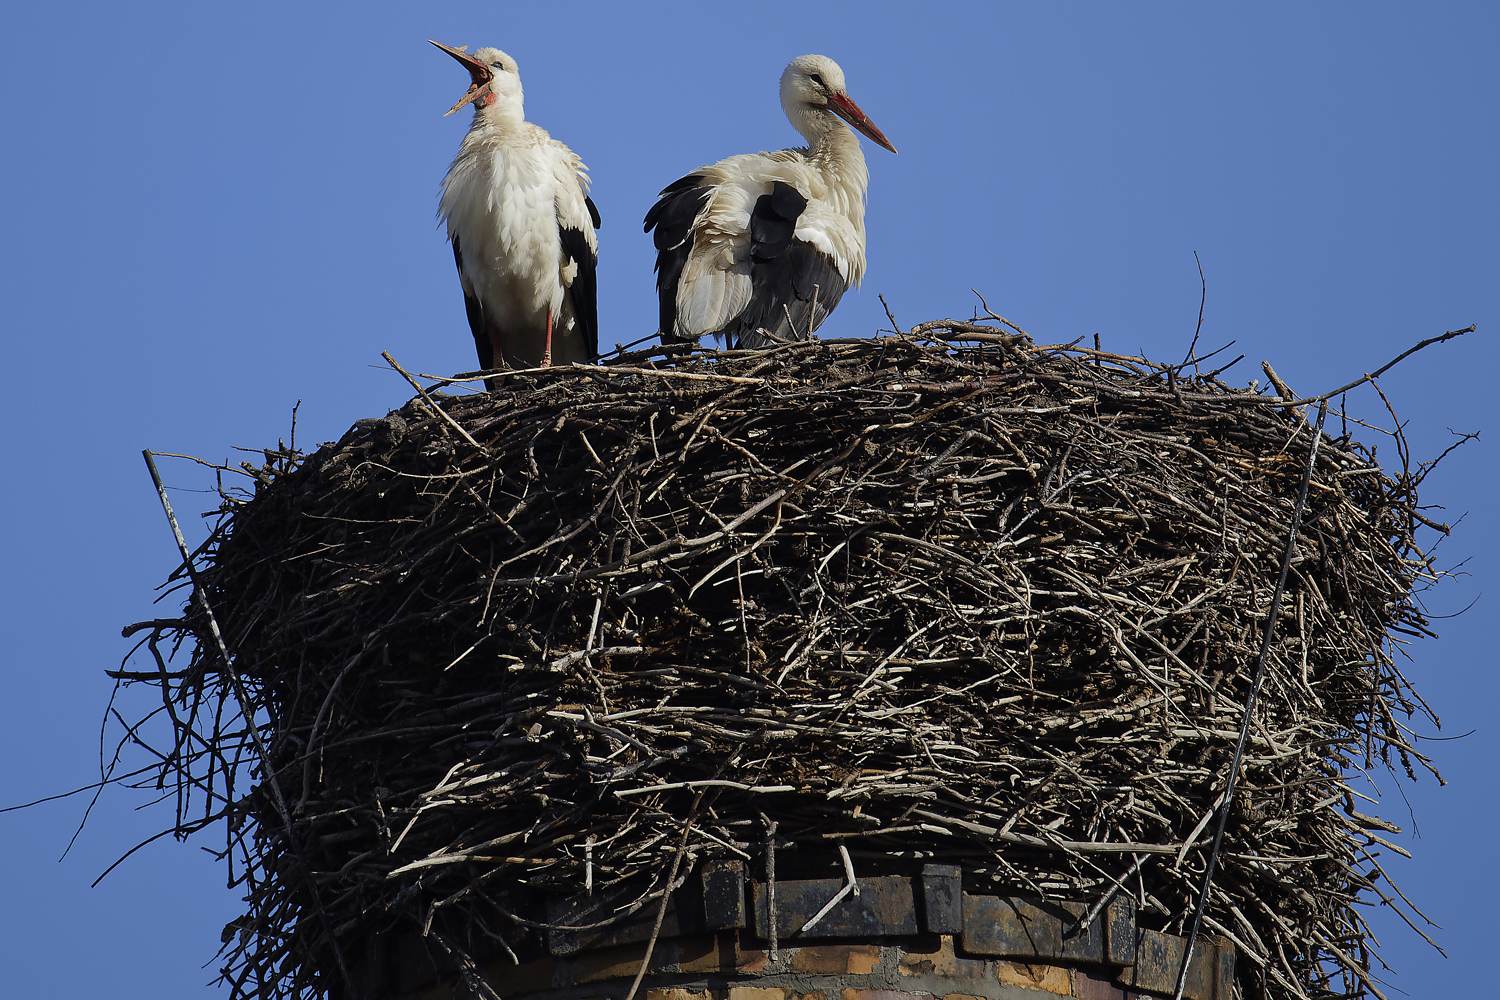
x=521, y=222
x=761, y=246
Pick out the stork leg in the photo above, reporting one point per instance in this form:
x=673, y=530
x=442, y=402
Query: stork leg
x=547, y=350
x=496, y=360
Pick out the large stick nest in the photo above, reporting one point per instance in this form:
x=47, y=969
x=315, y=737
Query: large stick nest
x=981, y=602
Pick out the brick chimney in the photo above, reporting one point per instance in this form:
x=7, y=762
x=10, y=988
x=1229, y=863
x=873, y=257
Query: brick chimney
x=900, y=938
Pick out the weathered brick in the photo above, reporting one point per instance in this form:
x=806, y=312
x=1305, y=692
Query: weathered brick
x=747, y=957
x=885, y=905
x=942, y=898
x=882, y=995
x=723, y=894
x=834, y=959
x=678, y=995
x=1022, y=928
x=1089, y=985
x=683, y=918
x=529, y=977
x=1224, y=972
x=1159, y=958
x=713, y=954
x=961, y=996
x=1051, y=978
x=612, y=963
x=755, y=993
x=1119, y=930
x=814, y=995
x=943, y=962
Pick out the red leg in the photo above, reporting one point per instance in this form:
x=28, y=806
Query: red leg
x=497, y=360
x=547, y=351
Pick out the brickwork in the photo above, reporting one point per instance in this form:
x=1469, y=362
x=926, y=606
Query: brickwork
x=734, y=965
x=900, y=938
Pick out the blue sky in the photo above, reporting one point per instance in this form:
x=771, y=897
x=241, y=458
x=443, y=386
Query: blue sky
x=213, y=211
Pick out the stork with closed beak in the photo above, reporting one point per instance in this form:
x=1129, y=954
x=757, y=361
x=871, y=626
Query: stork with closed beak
x=761, y=247
x=522, y=224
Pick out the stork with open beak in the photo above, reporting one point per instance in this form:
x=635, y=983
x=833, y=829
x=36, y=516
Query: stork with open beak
x=516, y=203
x=761, y=247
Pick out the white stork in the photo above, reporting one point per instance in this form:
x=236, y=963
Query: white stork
x=761, y=246
x=522, y=226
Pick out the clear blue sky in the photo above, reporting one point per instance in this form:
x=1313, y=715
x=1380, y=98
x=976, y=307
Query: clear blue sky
x=213, y=211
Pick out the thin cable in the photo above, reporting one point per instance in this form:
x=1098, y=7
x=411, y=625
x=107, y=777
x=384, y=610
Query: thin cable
x=1260, y=672
x=245, y=709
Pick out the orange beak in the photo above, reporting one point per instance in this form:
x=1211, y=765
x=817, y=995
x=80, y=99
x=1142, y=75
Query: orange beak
x=478, y=71
x=841, y=105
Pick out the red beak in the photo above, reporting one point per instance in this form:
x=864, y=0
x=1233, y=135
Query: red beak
x=841, y=105
x=478, y=71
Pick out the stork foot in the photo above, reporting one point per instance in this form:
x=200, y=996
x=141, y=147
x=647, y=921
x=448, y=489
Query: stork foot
x=547, y=350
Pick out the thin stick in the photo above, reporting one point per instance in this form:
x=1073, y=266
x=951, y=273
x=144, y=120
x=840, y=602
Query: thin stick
x=1114, y=889
x=1385, y=367
x=995, y=316
x=1281, y=387
x=771, y=881
x=1203, y=301
x=1260, y=673
x=693, y=376
x=837, y=898
x=666, y=897
x=249, y=714
x=423, y=392
x=890, y=316
x=851, y=885
x=849, y=868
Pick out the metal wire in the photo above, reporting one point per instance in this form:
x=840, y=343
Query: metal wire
x=1260, y=673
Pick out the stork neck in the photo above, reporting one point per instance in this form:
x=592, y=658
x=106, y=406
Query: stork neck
x=835, y=141
x=501, y=109
x=833, y=146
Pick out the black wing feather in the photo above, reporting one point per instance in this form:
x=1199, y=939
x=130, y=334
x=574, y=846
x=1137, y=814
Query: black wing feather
x=593, y=210
x=584, y=291
x=773, y=221
x=672, y=217
x=790, y=296
x=472, y=306
x=794, y=285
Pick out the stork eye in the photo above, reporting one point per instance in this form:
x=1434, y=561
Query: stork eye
x=815, y=78
x=498, y=65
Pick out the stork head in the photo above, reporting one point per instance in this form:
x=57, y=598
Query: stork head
x=816, y=83
x=495, y=77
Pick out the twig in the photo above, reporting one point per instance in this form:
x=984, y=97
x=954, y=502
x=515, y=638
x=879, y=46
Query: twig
x=1281, y=387
x=598, y=372
x=771, y=882
x=1202, y=301
x=441, y=413
x=1385, y=367
x=666, y=897
x=895, y=327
